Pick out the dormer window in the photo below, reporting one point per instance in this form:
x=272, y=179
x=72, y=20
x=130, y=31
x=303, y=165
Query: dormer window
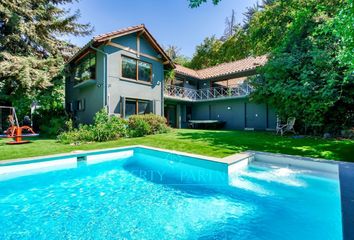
x=136, y=69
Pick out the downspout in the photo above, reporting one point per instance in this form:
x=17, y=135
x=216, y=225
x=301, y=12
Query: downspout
x=104, y=85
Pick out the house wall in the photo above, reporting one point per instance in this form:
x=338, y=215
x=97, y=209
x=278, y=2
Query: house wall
x=98, y=94
x=237, y=113
x=119, y=87
x=92, y=95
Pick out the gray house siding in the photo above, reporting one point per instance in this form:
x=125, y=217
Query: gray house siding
x=237, y=113
x=110, y=88
x=119, y=87
x=91, y=95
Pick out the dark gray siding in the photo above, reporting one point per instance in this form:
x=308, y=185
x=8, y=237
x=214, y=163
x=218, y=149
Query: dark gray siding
x=237, y=113
x=92, y=95
x=119, y=87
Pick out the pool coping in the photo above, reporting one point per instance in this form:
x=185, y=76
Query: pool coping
x=345, y=172
x=231, y=159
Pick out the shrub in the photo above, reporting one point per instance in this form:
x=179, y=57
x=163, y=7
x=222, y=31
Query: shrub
x=49, y=122
x=108, y=127
x=138, y=126
x=53, y=127
x=158, y=124
x=141, y=125
x=105, y=128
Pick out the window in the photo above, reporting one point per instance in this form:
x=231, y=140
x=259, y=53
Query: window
x=85, y=68
x=136, y=69
x=144, y=107
x=136, y=106
x=145, y=71
x=80, y=105
x=69, y=107
x=130, y=107
x=128, y=68
x=191, y=82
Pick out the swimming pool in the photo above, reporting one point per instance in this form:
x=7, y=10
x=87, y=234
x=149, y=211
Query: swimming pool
x=141, y=193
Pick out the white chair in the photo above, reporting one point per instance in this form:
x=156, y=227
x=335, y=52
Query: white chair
x=288, y=127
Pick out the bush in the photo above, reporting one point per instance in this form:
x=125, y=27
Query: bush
x=53, y=127
x=49, y=123
x=108, y=127
x=157, y=124
x=138, y=127
x=141, y=125
x=105, y=128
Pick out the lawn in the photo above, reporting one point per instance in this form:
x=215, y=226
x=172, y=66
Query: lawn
x=205, y=142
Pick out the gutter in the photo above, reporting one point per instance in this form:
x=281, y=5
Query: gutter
x=104, y=85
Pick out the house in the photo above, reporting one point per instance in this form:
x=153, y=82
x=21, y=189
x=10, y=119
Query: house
x=124, y=72
x=121, y=70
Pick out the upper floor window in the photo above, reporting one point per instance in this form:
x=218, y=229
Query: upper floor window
x=85, y=68
x=136, y=69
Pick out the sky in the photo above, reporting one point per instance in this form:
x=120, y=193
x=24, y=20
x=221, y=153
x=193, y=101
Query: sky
x=171, y=22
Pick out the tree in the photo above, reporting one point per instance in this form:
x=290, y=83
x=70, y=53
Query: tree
x=197, y=3
x=31, y=54
x=174, y=53
x=230, y=25
x=250, y=11
x=303, y=77
x=235, y=47
x=343, y=28
x=206, y=53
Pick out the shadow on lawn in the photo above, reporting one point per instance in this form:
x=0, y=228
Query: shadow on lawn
x=269, y=142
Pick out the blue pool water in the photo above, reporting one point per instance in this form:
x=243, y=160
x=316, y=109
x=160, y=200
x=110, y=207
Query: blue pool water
x=153, y=195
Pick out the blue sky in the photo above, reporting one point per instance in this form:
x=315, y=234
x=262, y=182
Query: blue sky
x=170, y=21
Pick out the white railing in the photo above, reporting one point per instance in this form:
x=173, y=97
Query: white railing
x=207, y=93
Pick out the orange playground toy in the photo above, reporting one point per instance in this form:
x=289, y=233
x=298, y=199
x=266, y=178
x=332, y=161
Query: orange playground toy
x=14, y=130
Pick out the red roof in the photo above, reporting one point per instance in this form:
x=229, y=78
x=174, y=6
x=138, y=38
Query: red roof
x=117, y=33
x=247, y=64
x=100, y=39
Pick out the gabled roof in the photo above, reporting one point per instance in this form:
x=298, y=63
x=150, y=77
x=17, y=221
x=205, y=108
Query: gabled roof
x=118, y=33
x=103, y=38
x=243, y=65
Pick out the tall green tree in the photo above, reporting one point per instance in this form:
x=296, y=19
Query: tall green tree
x=310, y=72
x=304, y=77
x=31, y=53
x=343, y=27
x=206, y=53
x=235, y=47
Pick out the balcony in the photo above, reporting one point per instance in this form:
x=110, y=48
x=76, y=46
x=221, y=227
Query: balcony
x=188, y=94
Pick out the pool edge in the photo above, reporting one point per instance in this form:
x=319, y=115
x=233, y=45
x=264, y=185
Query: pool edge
x=345, y=172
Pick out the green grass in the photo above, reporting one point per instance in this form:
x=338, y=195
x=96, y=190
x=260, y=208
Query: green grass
x=205, y=142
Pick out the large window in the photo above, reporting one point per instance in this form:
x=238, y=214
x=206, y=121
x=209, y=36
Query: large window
x=129, y=68
x=136, y=106
x=85, y=68
x=136, y=69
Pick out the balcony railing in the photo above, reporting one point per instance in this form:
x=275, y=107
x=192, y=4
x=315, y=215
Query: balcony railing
x=207, y=93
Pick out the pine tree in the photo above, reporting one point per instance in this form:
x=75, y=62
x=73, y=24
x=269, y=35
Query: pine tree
x=31, y=54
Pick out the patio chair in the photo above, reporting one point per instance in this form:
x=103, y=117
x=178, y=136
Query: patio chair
x=288, y=127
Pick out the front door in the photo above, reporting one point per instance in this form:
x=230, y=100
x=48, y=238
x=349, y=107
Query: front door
x=171, y=115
